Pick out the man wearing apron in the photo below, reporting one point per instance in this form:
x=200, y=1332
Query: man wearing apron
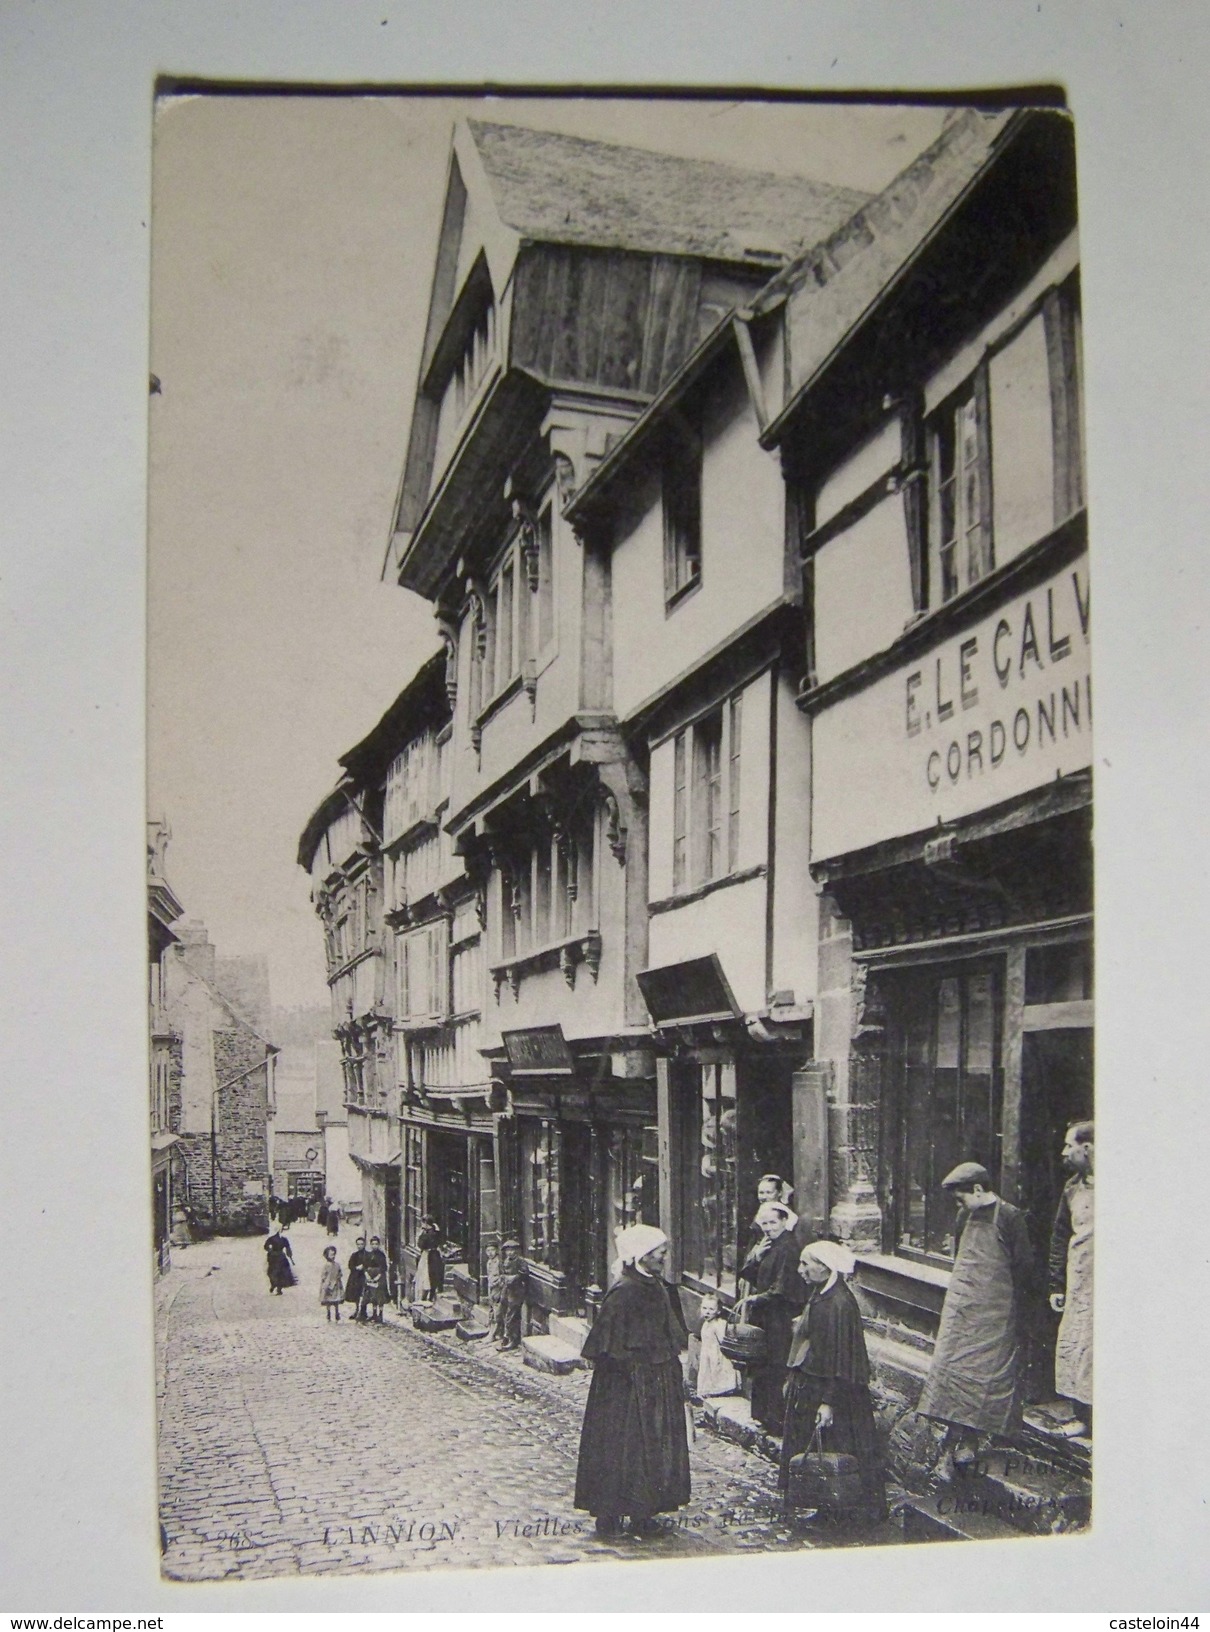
x=1070, y=1266
x=972, y=1383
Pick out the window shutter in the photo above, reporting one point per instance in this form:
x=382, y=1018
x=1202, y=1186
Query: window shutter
x=913, y=467
x=680, y=811
x=1060, y=318
x=983, y=426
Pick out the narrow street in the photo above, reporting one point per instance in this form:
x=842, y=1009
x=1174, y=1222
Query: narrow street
x=289, y=1445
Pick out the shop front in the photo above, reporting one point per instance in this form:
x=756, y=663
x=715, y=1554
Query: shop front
x=952, y=840
x=732, y=1108
x=449, y=1175
x=579, y=1151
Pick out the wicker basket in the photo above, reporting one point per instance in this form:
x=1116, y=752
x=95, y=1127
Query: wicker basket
x=743, y=1343
x=827, y=1480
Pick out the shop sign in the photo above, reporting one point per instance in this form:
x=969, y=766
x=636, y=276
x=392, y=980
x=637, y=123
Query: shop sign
x=996, y=710
x=540, y=1051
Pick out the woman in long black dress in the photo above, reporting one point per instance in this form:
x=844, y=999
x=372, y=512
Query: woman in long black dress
x=430, y=1271
x=777, y=1294
x=355, y=1276
x=634, y=1450
x=829, y=1377
x=279, y=1261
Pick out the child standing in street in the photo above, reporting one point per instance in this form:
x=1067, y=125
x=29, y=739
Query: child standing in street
x=331, y=1284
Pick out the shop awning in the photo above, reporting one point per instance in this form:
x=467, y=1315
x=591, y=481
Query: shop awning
x=694, y=992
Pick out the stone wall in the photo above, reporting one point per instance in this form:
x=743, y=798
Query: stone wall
x=240, y=1141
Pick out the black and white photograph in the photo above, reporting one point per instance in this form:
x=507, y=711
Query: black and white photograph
x=619, y=840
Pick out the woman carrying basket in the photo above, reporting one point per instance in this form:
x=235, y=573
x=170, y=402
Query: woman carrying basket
x=776, y=1297
x=828, y=1387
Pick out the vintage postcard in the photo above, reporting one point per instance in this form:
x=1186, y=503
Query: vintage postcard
x=620, y=829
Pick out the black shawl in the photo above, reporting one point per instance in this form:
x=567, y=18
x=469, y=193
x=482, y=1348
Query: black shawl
x=829, y=1339
x=640, y=1319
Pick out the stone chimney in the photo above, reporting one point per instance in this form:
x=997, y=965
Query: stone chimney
x=196, y=948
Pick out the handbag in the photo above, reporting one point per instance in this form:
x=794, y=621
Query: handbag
x=742, y=1342
x=824, y=1479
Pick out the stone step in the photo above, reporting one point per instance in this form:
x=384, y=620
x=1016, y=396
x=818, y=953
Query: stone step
x=550, y=1354
x=1030, y=1494
x=434, y=1317
x=931, y=1518
x=730, y=1415
x=569, y=1329
x=471, y=1333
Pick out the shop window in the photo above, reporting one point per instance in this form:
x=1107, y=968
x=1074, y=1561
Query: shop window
x=413, y=1182
x=949, y=1026
x=1059, y=974
x=632, y=1180
x=961, y=544
x=682, y=504
x=709, y=1224
x=540, y=1192
x=706, y=797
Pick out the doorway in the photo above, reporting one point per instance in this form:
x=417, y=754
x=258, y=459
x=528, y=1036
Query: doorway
x=447, y=1187
x=1056, y=1090
x=392, y=1220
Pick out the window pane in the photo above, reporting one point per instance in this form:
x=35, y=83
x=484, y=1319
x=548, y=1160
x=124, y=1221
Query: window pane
x=917, y=1095
x=504, y=627
x=728, y=1190
x=546, y=584
x=978, y=1109
x=709, y=1164
x=543, y=928
x=680, y=814
x=734, y=785
x=708, y=815
x=682, y=515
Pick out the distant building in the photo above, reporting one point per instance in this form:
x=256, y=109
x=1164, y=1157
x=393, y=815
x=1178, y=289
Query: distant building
x=223, y=1092
x=340, y=1171
x=296, y=1140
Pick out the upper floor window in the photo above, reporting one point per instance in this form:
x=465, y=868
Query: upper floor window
x=706, y=797
x=414, y=786
x=423, y=970
x=548, y=891
x=682, y=503
x=520, y=608
x=961, y=544
x=350, y=924
x=1005, y=450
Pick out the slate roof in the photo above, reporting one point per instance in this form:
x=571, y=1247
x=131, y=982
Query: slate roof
x=564, y=189
x=834, y=284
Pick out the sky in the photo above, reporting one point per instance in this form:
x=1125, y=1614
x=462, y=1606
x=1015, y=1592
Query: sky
x=293, y=243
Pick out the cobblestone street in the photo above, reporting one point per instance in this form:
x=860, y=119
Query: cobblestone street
x=292, y=1446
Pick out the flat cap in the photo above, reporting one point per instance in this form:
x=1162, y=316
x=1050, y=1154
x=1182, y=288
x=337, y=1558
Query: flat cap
x=966, y=1174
